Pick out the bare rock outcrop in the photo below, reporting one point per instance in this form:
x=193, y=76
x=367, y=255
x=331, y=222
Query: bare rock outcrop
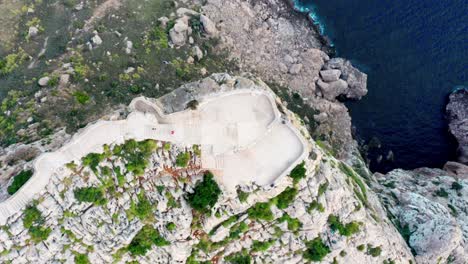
x=430, y=207
x=457, y=115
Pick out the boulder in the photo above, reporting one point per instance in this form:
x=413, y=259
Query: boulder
x=43, y=81
x=457, y=115
x=331, y=90
x=178, y=33
x=295, y=69
x=357, y=81
x=197, y=53
x=208, y=26
x=96, y=40
x=33, y=31
x=330, y=75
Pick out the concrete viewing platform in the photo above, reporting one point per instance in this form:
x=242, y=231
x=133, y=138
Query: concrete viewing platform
x=242, y=135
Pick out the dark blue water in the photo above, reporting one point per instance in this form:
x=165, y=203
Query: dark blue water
x=414, y=52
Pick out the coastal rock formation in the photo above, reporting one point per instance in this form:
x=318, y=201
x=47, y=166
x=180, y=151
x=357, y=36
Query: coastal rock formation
x=355, y=79
x=266, y=37
x=429, y=206
x=457, y=115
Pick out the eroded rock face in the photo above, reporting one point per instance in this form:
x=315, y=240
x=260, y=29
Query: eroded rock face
x=457, y=115
x=357, y=80
x=430, y=207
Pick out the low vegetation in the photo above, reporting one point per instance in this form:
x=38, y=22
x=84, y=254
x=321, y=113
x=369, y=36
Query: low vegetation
x=205, y=194
x=298, y=173
x=260, y=211
x=286, y=197
x=316, y=250
x=183, y=159
x=33, y=221
x=93, y=195
x=347, y=230
x=145, y=239
x=19, y=180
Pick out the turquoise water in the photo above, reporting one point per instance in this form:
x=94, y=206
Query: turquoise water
x=415, y=52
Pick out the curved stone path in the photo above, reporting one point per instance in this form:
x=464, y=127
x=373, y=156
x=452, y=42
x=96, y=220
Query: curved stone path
x=241, y=134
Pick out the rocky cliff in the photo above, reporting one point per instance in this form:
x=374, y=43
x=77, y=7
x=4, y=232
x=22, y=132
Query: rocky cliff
x=323, y=211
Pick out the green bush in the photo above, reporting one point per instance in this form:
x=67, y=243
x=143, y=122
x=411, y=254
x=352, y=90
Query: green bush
x=298, y=172
x=242, y=196
x=205, y=194
x=19, y=180
x=81, y=97
x=239, y=259
x=39, y=233
x=183, y=159
x=92, y=161
x=442, y=193
x=456, y=186
x=373, y=251
x=361, y=247
x=345, y=230
x=261, y=245
x=286, y=197
x=322, y=188
x=32, y=220
x=81, y=259
x=143, y=208
x=31, y=216
x=90, y=194
x=145, y=239
x=293, y=223
x=316, y=250
x=315, y=205
x=260, y=211
x=171, y=226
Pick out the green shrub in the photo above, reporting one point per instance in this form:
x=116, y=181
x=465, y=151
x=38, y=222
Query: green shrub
x=145, y=239
x=442, y=193
x=183, y=159
x=143, y=208
x=298, y=172
x=293, y=223
x=205, y=194
x=243, y=196
x=239, y=258
x=456, y=186
x=316, y=250
x=19, y=180
x=373, y=251
x=81, y=97
x=261, y=245
x=345, y=230
x=31, y=216
x=286, y=197
x=39, y=233
x=171, y=226
x=361, y=247
x=237, y=230
x=322, y=188
x=90, y=194
x=81, y=259
x=315, y=205
x=260, y=211
x=92, y=161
